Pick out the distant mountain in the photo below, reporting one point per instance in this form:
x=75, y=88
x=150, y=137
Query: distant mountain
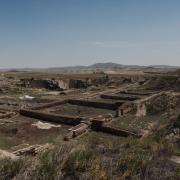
x=106, y=65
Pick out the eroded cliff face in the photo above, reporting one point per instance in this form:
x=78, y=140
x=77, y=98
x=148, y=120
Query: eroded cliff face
x=51, y=84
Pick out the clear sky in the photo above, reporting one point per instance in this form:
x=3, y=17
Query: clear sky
x=50, y=33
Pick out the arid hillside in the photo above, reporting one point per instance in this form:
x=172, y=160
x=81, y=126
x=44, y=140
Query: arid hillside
x=93, y=125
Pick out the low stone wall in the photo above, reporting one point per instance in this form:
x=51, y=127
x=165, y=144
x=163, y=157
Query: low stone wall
x=100, y=126
x=95, y=104
x=139, y=93
x=69, y=120
x=119, y=97
x=117, y=132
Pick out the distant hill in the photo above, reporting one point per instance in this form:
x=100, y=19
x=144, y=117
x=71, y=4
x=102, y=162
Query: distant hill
x=108, y=65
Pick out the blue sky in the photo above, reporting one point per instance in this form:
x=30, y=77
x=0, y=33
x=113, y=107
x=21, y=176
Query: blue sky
x=49, y=33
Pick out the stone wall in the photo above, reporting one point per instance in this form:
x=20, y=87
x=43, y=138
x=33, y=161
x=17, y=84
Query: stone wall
x=95, y=104
x=98, y=125
x=119, y=97
x=69, y=120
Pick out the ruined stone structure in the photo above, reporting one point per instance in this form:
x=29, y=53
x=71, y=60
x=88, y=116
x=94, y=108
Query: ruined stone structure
x=81, y=124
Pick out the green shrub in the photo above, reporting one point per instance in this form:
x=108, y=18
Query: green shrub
x=82, y=162
x=10, y=168
x=140, y=152
x=47, y=165
x=133, y=160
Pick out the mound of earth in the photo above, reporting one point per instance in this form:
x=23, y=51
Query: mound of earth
x=162, y=103
x=164, y=83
